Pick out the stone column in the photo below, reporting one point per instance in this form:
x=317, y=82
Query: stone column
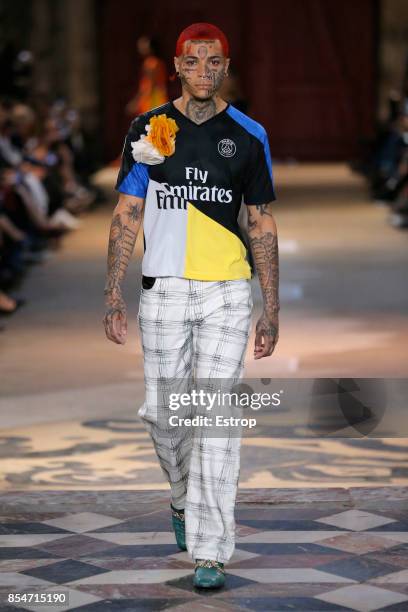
x=81, y=59
x=64, y=43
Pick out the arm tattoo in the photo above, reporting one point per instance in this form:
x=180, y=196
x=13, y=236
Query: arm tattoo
x=122, y=240
x=263, y=209
x=266, y=256
x=134, y=213
x=252, y=223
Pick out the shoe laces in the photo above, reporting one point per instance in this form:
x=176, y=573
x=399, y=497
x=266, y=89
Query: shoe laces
x=210, y=563
x=178, y=513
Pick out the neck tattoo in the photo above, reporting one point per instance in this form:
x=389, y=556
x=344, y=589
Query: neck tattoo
x=200, y=110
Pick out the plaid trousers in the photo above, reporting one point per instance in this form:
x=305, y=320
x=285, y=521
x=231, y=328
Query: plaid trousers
x=193, y=329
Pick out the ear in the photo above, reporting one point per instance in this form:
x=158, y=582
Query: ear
x=176, y=64
x=227, y=63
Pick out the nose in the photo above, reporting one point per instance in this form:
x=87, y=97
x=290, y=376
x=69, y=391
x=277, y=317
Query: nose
x=203, y=71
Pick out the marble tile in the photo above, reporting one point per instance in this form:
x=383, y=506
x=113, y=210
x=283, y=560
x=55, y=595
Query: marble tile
x=279, y=590
x=65, y=571
x=19, y=579
x=397, y=587
x=133, y=576
x=288, y=537
x=355, y=520
x=31, y=527
x=128, y=605
x=362, y=597
x=132, y=538
x=291, y=574
x=284, y=525
x=29, y=539
x=359, y=568
x=358, y=542
x=291, y=512
x=397, y=555
x=27, y=517
x=81, y=522
x=283, y=548
x=75, y=546
x=137, y=591
x=238, y=555
x=394, y=577
x=361, y=495
x=25, y=552
x=243, y=530
x=216, y=604
x=399, y=526
x=141, y=550
x=282, y=561
x=396, y=536
x=167, y=562
x=295, y=495
x=18, y=565
x=158, y=521
x=267, y=604
x=391, y=509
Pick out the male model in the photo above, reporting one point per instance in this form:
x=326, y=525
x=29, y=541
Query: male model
x=186, y=166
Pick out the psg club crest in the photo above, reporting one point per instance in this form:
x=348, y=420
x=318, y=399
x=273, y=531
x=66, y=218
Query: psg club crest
x=227, y=148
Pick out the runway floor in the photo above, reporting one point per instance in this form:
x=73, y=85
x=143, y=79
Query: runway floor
x=321, y=549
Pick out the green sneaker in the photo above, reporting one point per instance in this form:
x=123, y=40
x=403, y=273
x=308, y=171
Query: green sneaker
x=209, y=574
x=179, y=526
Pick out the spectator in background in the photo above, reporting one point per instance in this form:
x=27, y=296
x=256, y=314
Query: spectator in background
x=399, y=208
x=152, y=86
x=41, y=192
x=387, y=169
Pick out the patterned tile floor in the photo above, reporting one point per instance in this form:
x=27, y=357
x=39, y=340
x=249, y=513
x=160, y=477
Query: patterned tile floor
x=310, y=549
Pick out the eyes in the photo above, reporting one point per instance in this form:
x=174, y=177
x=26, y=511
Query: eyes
x=191, y=63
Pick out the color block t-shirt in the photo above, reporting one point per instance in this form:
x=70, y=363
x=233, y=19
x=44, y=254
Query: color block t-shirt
x=192, y=199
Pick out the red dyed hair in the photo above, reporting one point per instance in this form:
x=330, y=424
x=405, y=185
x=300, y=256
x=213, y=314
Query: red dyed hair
x=202, y=31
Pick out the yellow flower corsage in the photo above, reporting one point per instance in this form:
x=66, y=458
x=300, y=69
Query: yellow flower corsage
x=162, y=134
x=159, y=143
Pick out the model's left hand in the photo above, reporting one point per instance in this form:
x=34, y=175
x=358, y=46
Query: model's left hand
x=267, y=334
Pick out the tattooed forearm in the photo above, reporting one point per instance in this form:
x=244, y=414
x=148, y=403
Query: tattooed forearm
x=134, y=212
x=122, y=238
x=266, y=255
x=263, y=209
x=254, y=218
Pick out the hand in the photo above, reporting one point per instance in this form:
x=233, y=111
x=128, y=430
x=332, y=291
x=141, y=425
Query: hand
x=115, y=320
x=267, y=334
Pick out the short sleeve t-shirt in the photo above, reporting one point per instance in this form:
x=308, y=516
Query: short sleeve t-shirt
x=193, y=198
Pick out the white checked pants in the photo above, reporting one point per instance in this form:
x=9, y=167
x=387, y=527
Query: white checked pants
x=192, y=328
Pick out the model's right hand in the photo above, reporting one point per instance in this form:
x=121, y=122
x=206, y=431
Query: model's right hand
x=115, y=319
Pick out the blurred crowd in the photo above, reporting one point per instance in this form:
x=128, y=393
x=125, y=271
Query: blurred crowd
x=44, y=187
x=386, y=167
